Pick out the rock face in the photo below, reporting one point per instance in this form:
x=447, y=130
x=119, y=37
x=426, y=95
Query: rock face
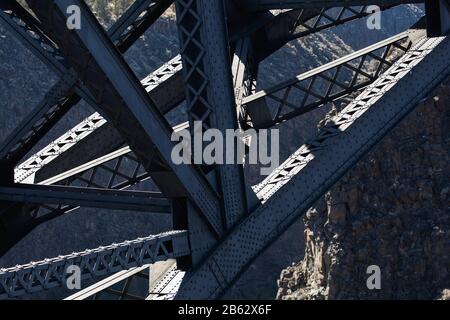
x=392, y=210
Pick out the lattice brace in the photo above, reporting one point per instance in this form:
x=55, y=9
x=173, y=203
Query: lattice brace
x=314, y=20
x=118, y=174
x=50, y=273
x=338, y=124
x=54, y=149
x=165, y=72
x=61, y=97
x=134, y=287
x=209, y=86
x=328, y=83
x=86, y=128
x=192, y=50
x=54, y=106
x=121, y=172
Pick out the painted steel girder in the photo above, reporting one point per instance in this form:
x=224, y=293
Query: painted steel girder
x=87, y=177
x=19, y=220
x=315, y=167
x=50, y=273
x=67, y=92
x=209, y=88
x=123, y=100
x=261, y=5
x=323, y=85
x=154, y=282
x=118, y=286
x=300, y=23
x=87, y=197
x=98, y=137
x=118, y=170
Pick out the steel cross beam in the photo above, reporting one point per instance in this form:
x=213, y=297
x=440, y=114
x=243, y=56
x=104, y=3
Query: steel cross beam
x=315, y=167
x=103, y=261
x=123, y=100
x=323, y=85
x=118, y=286
x=300, y=23
x=87, y=197
x=262, y=5
x=99, y=136
x=117, y=170
x=67, y=92
x=152, y=282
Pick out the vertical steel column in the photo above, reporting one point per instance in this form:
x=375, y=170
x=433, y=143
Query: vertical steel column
x=209, y=88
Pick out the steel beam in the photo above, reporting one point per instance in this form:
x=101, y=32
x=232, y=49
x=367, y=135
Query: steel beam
x=117, y=170
x=315, y=167
x=166, y=88
x=135, y=22
x=262, y=5
x=209, y=88
x=55, y=105
x=117, y=286
x=50, y=273
x=299, y=23
x=325, y=84
x=87, y=197
x=123, y=100
x=134, y=284
x=438, y=17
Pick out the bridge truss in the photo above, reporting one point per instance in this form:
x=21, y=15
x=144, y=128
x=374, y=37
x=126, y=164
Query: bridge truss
x=220, y=222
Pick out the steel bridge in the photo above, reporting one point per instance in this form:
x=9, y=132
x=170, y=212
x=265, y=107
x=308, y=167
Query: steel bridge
x=220, y=222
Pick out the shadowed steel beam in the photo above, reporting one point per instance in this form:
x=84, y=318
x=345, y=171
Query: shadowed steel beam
x=438, y=17
x=315, y=167
x=133, y=284
x=166, y=88
x=261, y=5
x=104, y=288
x=87, y=197
x=209, y=88
x=50, y=273
x=29, y=32
x=67, y=92
x=117, y=170
x=135, y=21
x=299, y=23
x=123, y=100
x=98, y=136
